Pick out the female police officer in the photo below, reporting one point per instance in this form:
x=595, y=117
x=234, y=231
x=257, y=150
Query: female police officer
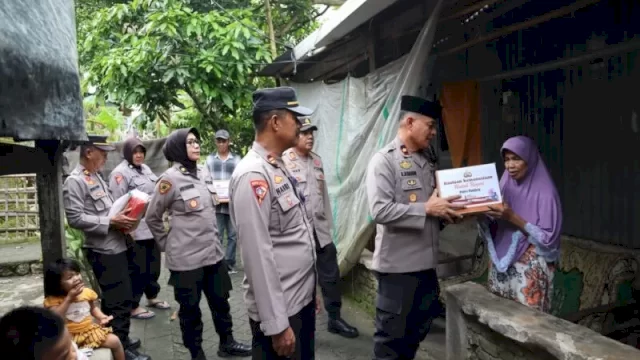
x=144, y=255
x=193, y=252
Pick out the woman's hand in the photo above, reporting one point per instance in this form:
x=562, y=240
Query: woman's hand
x=503, y=212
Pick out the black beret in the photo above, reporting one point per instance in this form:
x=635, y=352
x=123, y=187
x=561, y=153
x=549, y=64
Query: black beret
x=421, y=106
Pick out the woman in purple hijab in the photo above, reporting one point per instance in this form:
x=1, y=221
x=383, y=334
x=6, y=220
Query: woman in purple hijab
x=523, y=236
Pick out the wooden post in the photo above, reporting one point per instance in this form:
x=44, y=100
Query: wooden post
x=50, y=207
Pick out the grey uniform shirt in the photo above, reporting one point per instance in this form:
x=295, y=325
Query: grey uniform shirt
x=274, y=235
x=87, y=203
x=192, y=239
x=309, y=173
x=398, y=185
x=126, y=177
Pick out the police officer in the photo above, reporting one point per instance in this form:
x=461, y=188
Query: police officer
x=87, y=203
x=404, y=204
x=144, y=255
x=306, y=167
x=274, y=234
x=193, y=252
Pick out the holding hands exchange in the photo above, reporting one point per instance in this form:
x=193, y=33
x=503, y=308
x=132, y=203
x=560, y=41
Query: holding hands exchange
x=443, y=208
x=502, y=212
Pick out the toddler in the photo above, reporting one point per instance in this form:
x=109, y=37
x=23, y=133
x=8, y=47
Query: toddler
x=66, y=295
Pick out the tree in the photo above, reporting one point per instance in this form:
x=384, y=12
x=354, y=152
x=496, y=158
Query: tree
x=152, y=53
x=185, y=62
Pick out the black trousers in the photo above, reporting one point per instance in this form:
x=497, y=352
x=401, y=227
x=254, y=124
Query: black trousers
x=144, y=270
x=112, y=274
x=406, y=305
x=329, y=277
x=303, y=325
x=188, y=286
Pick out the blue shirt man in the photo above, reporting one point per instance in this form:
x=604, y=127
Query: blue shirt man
x=221, y=166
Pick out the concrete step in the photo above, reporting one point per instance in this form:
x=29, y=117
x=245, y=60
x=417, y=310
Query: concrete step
x=20, y=259
x=101, y=354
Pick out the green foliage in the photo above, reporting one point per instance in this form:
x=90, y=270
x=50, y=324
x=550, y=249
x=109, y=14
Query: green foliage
x=185, y=62
x=102, y=119
x=153, y=53
x=75, y=240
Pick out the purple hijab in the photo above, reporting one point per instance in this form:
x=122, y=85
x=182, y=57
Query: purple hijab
x=535, y=199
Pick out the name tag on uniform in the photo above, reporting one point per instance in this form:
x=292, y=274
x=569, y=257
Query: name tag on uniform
x=282, y=189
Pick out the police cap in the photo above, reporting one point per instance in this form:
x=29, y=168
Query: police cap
x=306, y=124
x=99, y=141
x=278, y=98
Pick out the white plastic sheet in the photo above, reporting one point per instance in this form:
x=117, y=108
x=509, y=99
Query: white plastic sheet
x=355, y=118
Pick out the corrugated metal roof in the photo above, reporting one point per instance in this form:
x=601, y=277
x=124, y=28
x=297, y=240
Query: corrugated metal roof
x=350, y=15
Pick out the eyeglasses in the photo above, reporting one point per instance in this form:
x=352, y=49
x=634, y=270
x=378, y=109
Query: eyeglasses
x=193, y=142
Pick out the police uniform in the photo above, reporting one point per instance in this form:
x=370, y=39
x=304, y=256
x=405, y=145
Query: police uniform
x=406, y=244
x=144, y=255
x=87, y=203
x=193, y=252
x=309, y=173
x=275, y=238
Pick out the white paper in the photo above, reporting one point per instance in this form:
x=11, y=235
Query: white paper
x=222, y=189
x=477, y=185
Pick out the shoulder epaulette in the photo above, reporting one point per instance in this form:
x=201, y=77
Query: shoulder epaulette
x=388, y=149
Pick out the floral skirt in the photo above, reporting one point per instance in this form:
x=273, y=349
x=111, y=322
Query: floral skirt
x=93, y=337
x=528, y=281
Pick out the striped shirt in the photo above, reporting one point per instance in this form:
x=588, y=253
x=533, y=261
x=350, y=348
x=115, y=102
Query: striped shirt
x=222, y=170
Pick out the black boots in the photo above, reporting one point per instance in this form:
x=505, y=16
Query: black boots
x=340, y=327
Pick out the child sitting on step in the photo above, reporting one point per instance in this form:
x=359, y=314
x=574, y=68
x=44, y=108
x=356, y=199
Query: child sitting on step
x=66, y=294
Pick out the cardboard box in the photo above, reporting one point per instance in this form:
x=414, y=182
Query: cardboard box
x=478, y=186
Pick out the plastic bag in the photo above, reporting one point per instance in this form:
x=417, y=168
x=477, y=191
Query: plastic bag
x=136, y=202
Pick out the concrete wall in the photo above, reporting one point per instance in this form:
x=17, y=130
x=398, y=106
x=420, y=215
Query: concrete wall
x=483, y=326
x=361, y=285
x=486, y=344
